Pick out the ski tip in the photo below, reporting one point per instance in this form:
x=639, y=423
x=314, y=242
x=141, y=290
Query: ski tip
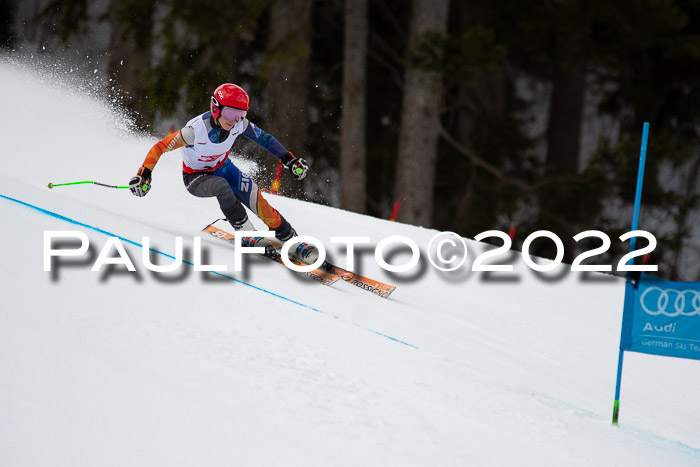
x=215, y=221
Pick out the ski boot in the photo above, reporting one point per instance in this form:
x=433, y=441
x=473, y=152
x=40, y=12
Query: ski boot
x=304, y=253
x=251, y=241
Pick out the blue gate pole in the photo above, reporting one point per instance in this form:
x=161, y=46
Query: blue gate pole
x=633, y=244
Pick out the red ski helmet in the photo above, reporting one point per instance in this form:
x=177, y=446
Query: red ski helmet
x=228, y=95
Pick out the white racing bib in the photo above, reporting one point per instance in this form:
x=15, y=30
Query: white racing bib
x=203, y=155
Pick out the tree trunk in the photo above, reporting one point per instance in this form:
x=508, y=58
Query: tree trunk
x=288, y=73
x=557, y=205
x=486, y=98
x=353, y=185
x=8, y=36
x=565, y=113
x=130, y=53
x=420, y=122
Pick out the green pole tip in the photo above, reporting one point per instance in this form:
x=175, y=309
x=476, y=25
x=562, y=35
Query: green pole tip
x=299, y=170
x=50, y=185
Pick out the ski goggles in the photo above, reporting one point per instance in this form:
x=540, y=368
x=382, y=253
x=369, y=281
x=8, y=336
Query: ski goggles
x=233, y=115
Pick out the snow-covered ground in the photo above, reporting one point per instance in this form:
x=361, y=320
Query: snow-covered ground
x=264, y=367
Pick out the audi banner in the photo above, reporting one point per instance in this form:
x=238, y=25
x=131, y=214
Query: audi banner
x=662, y=318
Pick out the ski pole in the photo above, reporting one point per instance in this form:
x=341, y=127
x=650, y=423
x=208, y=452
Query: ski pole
x=51, y=185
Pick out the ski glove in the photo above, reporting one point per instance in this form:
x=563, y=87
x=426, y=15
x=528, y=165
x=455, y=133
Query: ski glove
x=140, y=184
x=298, y=167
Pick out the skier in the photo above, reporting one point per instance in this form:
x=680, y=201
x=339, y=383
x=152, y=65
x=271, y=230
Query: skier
x=207, y=171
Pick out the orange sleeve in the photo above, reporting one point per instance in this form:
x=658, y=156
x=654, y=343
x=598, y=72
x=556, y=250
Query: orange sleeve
x=169, y=143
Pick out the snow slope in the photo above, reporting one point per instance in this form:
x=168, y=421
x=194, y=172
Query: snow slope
x=263, y=367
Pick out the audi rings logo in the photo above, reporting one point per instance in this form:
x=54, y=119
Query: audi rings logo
x=670, y=302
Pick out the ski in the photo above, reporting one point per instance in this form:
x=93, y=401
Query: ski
x=319, y=275
x=376, y=287
x=327, y=273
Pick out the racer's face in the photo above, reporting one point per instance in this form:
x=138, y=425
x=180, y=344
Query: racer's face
x=230, y=116
x=226, y=124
